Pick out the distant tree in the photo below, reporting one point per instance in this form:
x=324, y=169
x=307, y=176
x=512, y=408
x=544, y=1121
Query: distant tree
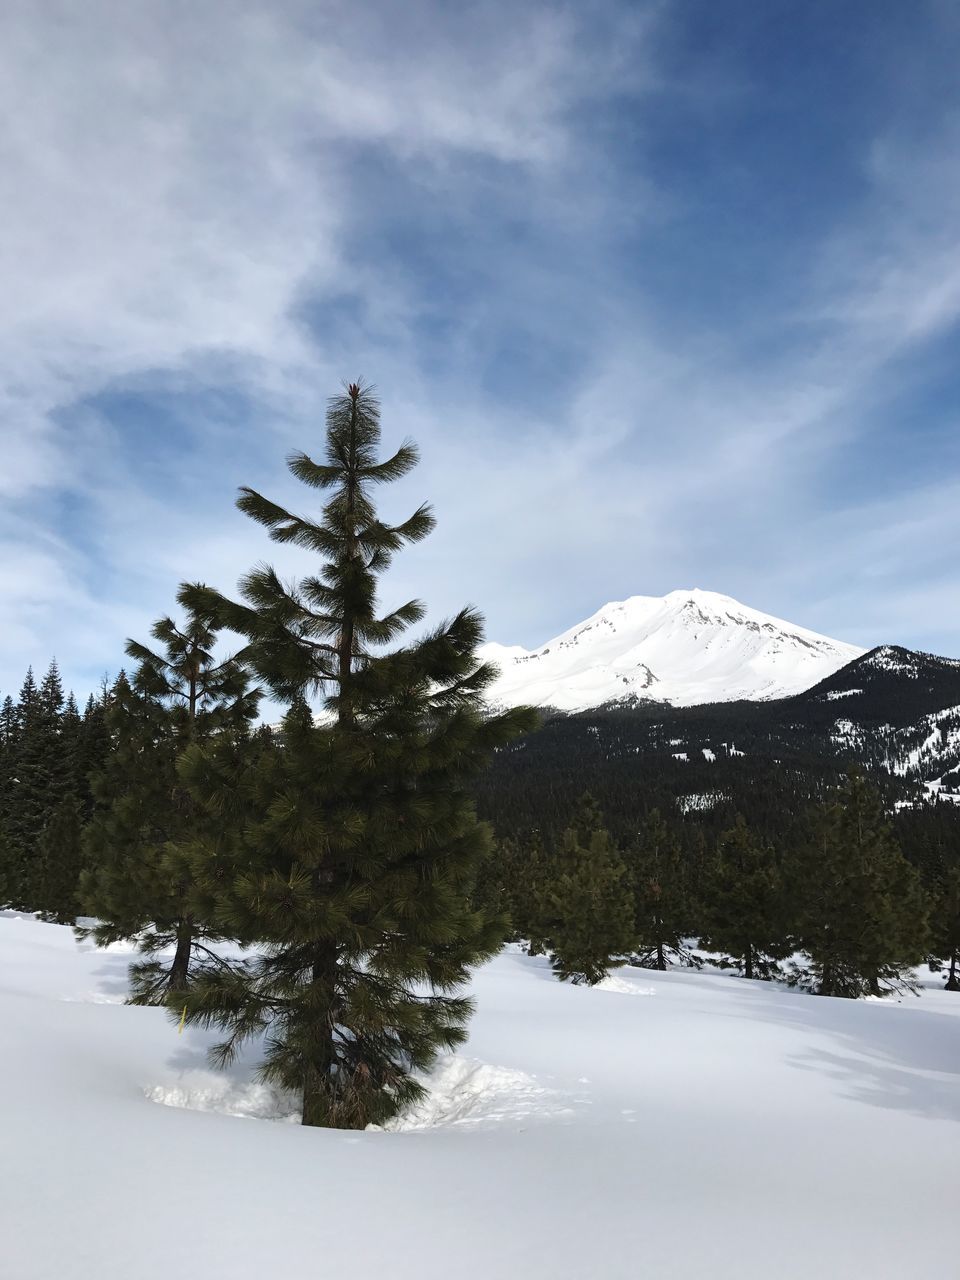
x=9, y=859
x=859, y=902
x=92, y=746
x=517, y=878
x=586, y=919
x=661, y=898
x=945, y=924
x=8, y=869
x=933, y=834
x=37, y=778
x=743, y=915
x=58, y=863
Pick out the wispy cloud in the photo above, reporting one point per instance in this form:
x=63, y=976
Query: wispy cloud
x=213, y=214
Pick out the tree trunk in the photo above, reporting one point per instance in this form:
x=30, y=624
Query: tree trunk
x=318, y=1101
x=661, y=958
x=953, y=978
x=180, y=969
x=748, y=963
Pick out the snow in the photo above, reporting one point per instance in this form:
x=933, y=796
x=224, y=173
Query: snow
x=845, y=730
x=685, y=648
x=904, y=662
x=942, y=742
x=662, y=1124
x=698, y=801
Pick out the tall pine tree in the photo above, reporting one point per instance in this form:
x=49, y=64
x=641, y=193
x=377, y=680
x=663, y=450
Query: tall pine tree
x=357, y=844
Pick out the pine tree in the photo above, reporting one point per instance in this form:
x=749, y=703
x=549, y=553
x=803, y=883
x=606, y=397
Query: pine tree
x=743, y=914
x=356, y=841
x=39, y=778
x=660, y=894
x=137, y=882
x=9, y=861
x=945, y=924
x=7, y=871
x=936, y=848
x=518, y=875
x=588, y=911
x=859, y=904
x=93, y=746
x=59, y=858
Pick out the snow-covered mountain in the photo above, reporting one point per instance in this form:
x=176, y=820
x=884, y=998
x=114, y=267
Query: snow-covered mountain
x=685, y=648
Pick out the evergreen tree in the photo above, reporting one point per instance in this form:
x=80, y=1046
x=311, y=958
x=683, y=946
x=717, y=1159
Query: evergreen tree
x=937, y=855
x=527, y=887
x=945, y=924
x=7, y=871
x=59, y=856
x=660, y=894
x=859, y=904
x=93, y=746
x=137, y=882
x=9, y=861
x=38, y=779
x=588, y=909
x=356, y=844
x=743, y=914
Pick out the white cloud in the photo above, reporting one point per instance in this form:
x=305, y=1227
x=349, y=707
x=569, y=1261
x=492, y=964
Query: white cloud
x=179, y=182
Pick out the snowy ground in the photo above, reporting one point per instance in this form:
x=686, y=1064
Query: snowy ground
x=676, y=1124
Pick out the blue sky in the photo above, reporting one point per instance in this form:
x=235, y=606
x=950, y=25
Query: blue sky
x=667, y=293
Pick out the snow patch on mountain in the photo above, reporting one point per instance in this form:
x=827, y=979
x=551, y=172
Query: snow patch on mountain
x=685, y=648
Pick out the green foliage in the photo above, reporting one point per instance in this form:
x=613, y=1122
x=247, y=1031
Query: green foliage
x=743, y=912
x=930, y=837
x=860, y=910
x=586, y=917
x=59, y=861
x=137, y=882
x=40, y=769
x=661, y=894
x=521, y=870
x=945, y=923
x=348, y=848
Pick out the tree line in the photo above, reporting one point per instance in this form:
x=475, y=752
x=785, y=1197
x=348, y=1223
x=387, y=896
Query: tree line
x=49, y=751
x=839, y=909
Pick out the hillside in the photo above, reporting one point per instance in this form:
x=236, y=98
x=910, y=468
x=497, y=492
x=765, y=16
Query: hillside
x=892, y=711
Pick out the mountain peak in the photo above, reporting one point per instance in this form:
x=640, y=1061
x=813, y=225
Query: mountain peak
x=687, y=647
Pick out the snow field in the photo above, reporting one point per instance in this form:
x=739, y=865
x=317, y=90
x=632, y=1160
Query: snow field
x=684, y=648
x=710, y=1127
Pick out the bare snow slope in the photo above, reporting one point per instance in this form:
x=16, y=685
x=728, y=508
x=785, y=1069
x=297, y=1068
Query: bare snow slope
x=706, y=1127
x=685, y=648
